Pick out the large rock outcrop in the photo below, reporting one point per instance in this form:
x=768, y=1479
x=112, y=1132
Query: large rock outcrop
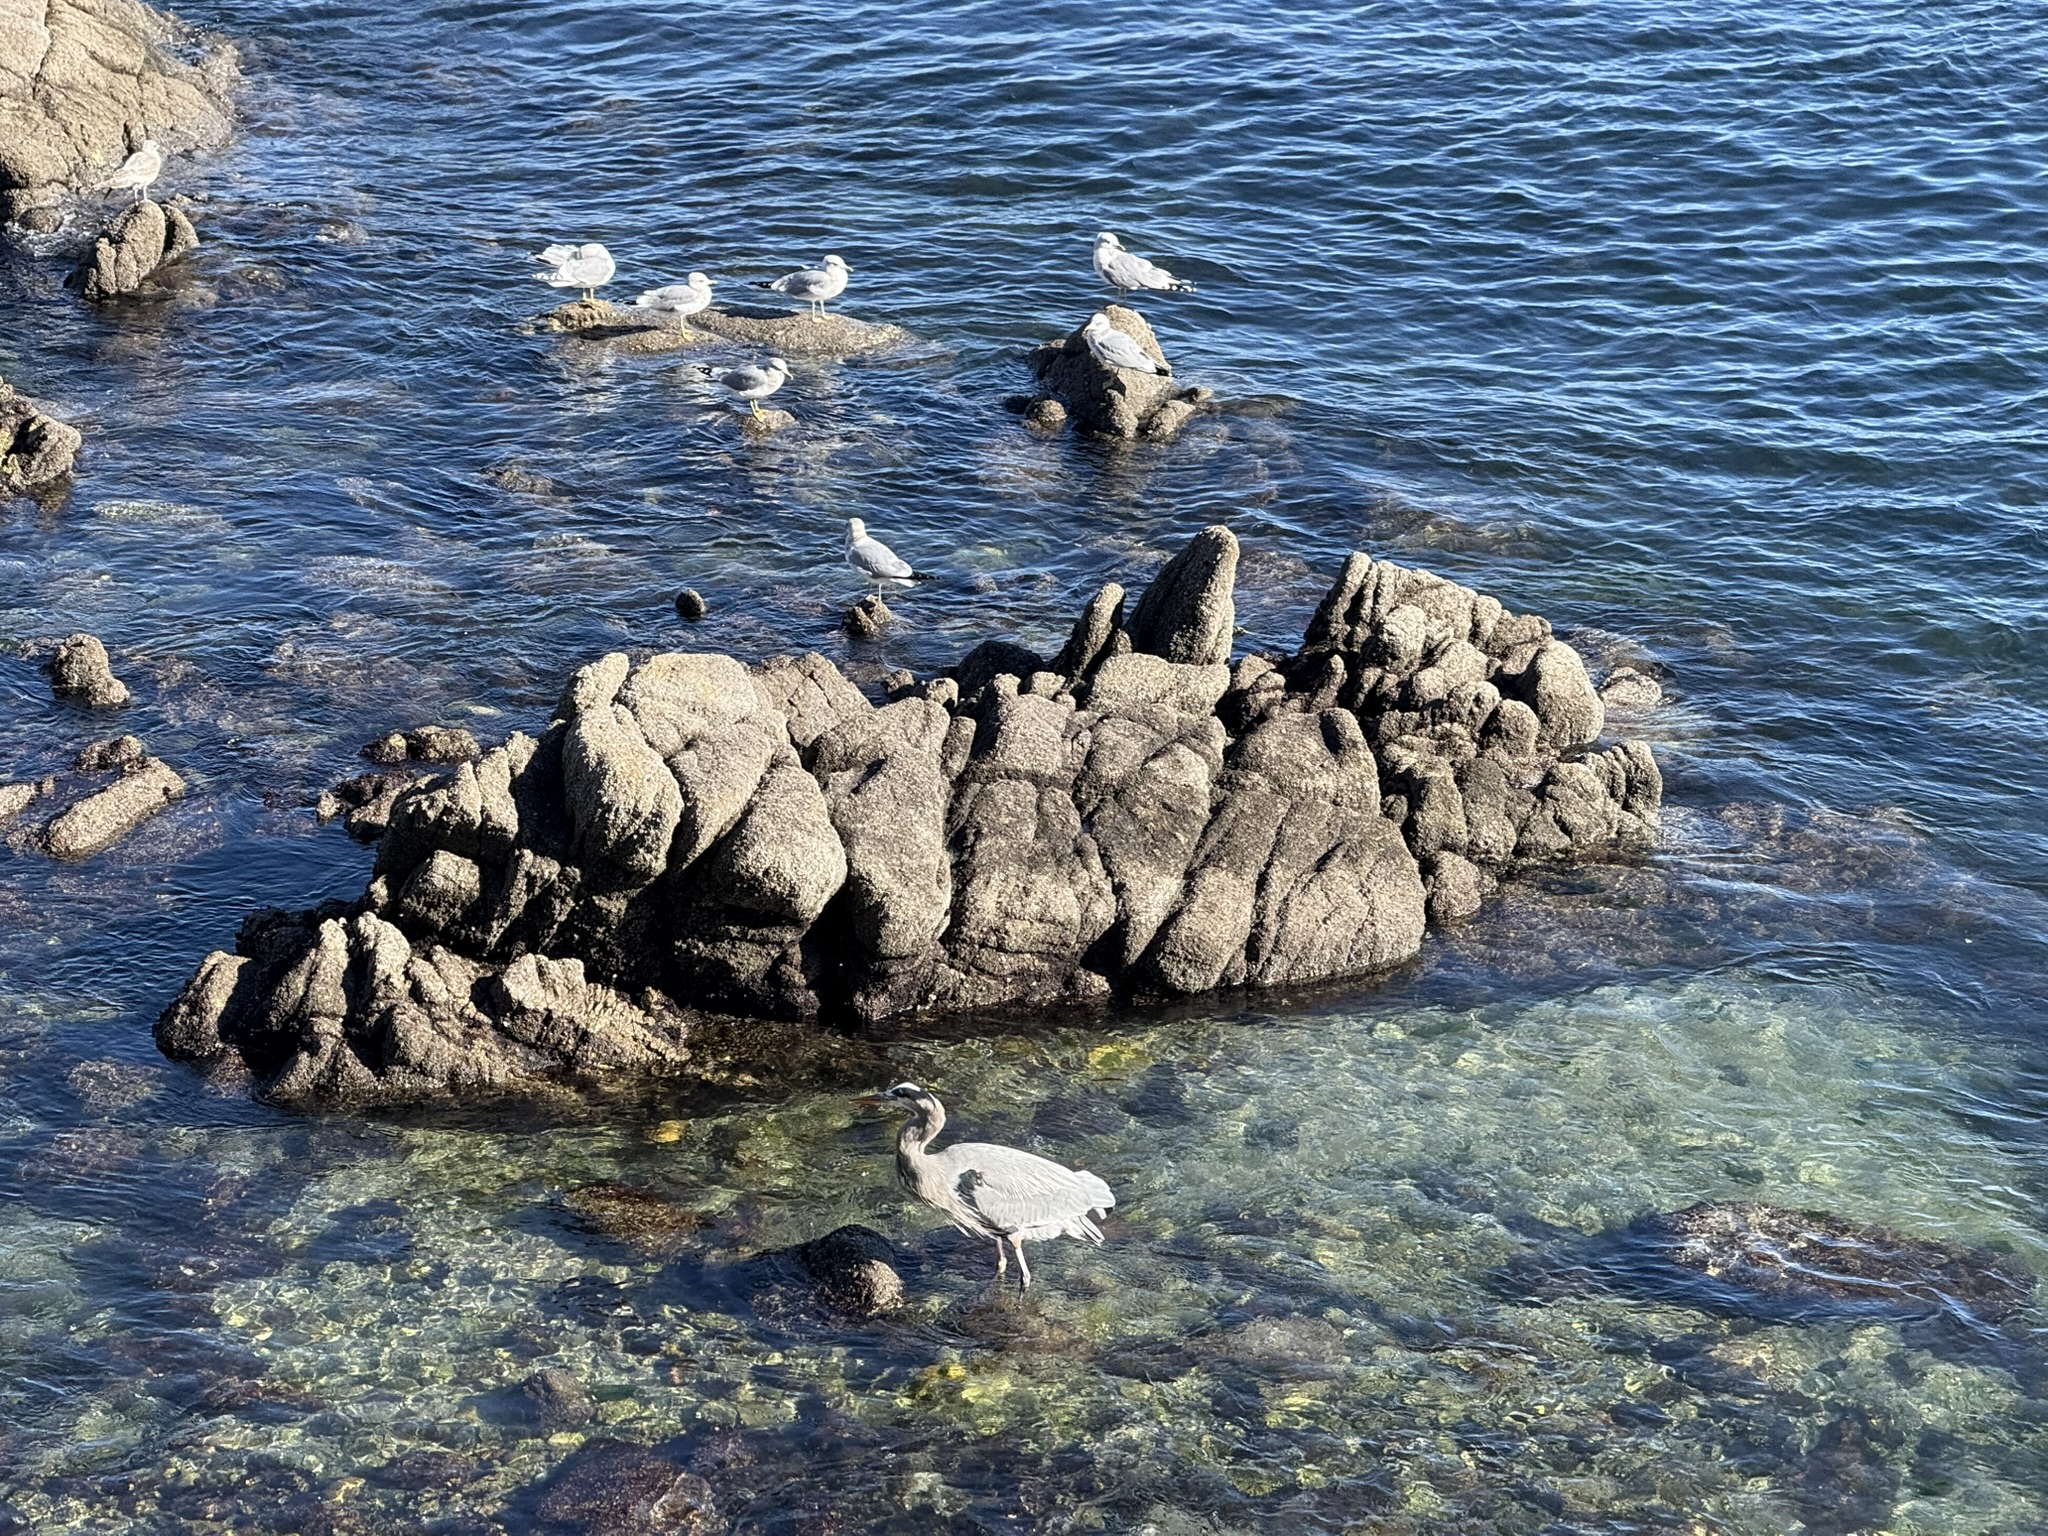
x=84, y=82
x=35, y=450
x=1135, y=818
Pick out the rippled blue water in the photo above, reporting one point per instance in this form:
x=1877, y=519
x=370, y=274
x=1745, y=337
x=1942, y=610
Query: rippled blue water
x=1712, y=332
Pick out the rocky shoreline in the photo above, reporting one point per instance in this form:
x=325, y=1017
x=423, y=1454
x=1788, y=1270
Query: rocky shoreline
x=1138, y=817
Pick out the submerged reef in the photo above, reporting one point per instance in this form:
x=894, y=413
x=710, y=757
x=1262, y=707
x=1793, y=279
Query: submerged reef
x=1133, y=818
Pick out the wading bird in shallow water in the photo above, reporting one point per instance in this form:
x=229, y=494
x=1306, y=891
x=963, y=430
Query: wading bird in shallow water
x=680, y=299
x=587, y=266
x=750, y=382
x=1109, y=345
x=814, y=285
x=1124, y=271
x=136, y=172
x=875, y=560
x=991, y=1191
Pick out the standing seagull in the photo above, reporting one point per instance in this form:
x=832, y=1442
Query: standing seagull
x=680, y=299
x=876, y=561
x=991, y=1191
x=1109, y=345
x=588, y=266
x=1124, y=271
x=814, y=285
x=137, y=171
x=751, y=382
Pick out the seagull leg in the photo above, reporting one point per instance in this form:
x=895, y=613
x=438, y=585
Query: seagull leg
x=756, y=406
x=1022, y=1268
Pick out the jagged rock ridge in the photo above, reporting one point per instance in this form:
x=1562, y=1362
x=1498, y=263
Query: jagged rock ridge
x=1135, y=817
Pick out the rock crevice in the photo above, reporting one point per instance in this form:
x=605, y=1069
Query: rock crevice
x=1137, y=818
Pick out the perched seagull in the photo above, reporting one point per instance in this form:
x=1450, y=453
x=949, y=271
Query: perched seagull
x=137, y=171
x=814, y=285
x=681, y=299
x=587, y=266
x=1109, y=345
x=1123, y=271
x=875, y=560
x=752, y=383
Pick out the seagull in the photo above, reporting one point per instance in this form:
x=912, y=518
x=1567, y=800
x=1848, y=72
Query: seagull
x=680, y=299
x=875, y=560
x=814, y=284
x=750, y=382
x=1123, y=271
x=137, y=171
x=588, y=266
x=1109, y=345
x=992, y=1191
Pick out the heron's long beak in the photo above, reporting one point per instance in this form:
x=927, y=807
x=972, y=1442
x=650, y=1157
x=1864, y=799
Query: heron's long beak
x=875, y=1099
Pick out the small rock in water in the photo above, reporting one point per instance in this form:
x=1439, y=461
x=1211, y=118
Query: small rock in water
x=97, y=822
x=80, y=672
x=689, y=605
x=426, y=744
x=611, y=1488
x=551, y=1399
x=35, y=450
x=365, y=801
x=1047, y=416
x=867, y=618
x=855, y=1268
x=144, y=237
x=766, y=425
x=1631, y=688
x=115, y=752
x=1301, y=1346
x=16, y=798
x=641, y=1217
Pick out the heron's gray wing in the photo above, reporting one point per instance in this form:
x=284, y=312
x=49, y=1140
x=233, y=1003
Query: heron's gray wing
x=873, y=555
x=1016, y=1191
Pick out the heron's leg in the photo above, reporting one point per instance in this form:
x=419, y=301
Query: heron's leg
x=1022, y=1268
x=1002, y=1260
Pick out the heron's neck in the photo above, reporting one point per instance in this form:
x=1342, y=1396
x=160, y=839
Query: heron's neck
x=919, y=1132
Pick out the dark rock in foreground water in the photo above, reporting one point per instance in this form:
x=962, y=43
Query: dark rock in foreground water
x=1135, y=818
x=35, y=450
x=612, y=1488
x=81, y=672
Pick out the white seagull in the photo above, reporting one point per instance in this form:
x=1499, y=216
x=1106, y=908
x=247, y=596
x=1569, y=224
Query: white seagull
x=875, y=560
x=751, y=382
x=1124, y=271
x=680, y=299
x=1109, y=345
x=814, y=285
x=136, y=172
x=588, y=267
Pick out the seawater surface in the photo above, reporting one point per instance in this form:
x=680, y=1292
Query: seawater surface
x=1711, y=332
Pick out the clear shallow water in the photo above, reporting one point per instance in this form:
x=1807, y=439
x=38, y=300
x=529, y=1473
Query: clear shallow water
x=1712, y=334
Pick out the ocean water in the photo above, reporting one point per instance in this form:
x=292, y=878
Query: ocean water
x=1711, y=332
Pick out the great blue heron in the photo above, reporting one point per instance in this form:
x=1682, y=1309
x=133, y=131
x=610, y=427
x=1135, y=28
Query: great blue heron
x=991, y=1191
x=814, y=285
x=1123, y=270
x=1109, y=345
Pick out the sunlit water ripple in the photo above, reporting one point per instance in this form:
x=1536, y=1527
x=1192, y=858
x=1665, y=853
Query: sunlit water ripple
x=1711, y=333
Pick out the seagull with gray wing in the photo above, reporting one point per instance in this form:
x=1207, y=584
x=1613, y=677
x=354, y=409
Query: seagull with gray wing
x=751, y=382
x=992, y=1191
x=814, y=285
x=588, y=266
x=1110, y=346
x=679, y=299
x=875, y=560
x=1125, y=270
x=137, y=172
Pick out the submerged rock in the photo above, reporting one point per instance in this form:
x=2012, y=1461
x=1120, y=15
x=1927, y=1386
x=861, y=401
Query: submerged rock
x=1766, y=1261
x=1106, y=401
x=867, y=618
x=35, y=450
x=101, y=819
x=785, y=335
x=549, y=1400
x=1136, y=817
x=648, y=1221
x=690, y=605
x=82, y=82
x=854, y=1268
x=144, y=238
x=614, y=1488
x=80, y=671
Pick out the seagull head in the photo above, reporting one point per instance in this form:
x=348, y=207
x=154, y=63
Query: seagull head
x=150, y=147
x=777, y=365
x=834, y=264
x=856, y=530
x=1106, y=238
x=699, y=280
x=591, y=251
x=1101, y=322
